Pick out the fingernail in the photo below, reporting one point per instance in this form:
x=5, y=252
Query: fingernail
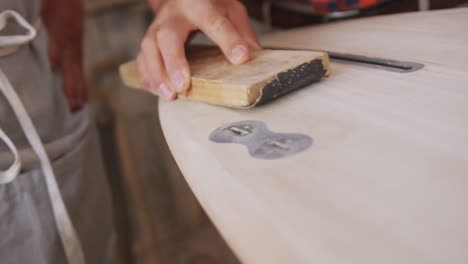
x=238, y=54
x=178, y=80
x=166, y=92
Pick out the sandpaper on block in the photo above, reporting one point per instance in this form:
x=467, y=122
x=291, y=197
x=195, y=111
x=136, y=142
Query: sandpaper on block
x=268, y=75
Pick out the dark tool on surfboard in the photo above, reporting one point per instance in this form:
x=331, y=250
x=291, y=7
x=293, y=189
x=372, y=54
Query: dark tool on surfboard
x=366, y=61
x=268, y=75
x=260, y=141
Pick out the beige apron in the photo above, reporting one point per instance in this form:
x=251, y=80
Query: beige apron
x=54, y=202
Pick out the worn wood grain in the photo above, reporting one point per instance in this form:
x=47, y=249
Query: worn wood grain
x=216, y=81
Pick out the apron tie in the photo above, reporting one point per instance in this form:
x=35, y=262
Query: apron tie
x=67, y=233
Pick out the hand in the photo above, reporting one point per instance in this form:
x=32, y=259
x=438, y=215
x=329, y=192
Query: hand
x=64, y=23
x=162, y=62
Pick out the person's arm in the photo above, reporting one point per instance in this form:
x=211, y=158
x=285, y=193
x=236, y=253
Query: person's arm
x=64, y=23
x=162, y=62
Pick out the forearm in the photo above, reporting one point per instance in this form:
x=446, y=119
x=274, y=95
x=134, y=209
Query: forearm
x=63, y=20
x=63, y=17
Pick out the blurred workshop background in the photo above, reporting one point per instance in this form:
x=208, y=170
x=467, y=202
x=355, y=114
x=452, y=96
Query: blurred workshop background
x=159, y=219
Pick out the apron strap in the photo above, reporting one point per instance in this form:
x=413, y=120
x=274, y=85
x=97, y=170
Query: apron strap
x=9, y=44
x=67, y=233
x=10, y=174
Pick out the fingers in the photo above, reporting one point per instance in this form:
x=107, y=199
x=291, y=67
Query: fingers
x=73, y=79
x=144, y=74
x=171, y=39
x=162, y=61
x=69, y=91
x=213, y=21
x=54, y=52
x=151, y=66
x=238, y=15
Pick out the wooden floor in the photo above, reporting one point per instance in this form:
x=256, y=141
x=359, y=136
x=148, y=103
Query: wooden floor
x=159, y=219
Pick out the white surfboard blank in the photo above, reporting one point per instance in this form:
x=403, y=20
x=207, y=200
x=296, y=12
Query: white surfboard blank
x=386, y=178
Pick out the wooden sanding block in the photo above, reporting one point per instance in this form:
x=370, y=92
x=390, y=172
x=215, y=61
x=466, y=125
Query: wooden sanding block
x=268, y=75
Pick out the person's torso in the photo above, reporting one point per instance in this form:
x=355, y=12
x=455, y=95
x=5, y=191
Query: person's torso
x=28, y=70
